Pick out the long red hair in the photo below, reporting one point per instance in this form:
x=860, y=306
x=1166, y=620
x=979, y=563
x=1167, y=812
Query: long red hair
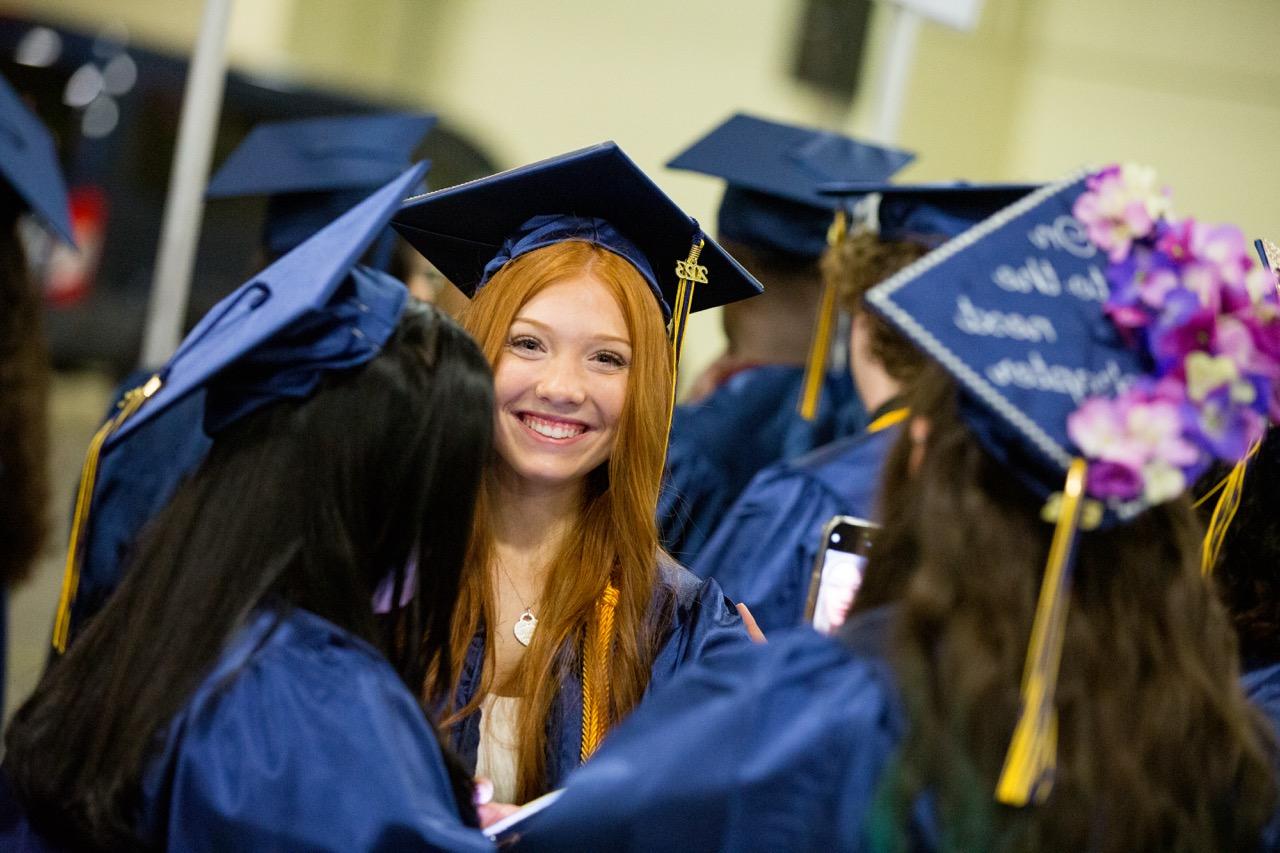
x=615, y=537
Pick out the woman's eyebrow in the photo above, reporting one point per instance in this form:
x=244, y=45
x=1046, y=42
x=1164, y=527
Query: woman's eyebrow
x=546, y=327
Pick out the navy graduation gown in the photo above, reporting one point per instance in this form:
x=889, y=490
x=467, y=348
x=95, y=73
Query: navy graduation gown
x=703, y=621
x=1262, y=686
x=719, y=443
x=774, y=747
x=302, y=737
x=764, y=551
x=135, y=481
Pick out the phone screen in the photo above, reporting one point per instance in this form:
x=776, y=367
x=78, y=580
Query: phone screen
x=839, y=572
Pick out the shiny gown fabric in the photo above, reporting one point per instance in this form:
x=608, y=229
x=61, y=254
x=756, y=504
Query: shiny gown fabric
x=764, y=551
x=719, y=443
x=774, y=747
x=701, y=621
x=301, y=738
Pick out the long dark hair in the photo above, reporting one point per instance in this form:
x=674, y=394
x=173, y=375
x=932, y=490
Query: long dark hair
x=24, y=390
x=301, y=504
x=1246, y=570
x=1157, y=746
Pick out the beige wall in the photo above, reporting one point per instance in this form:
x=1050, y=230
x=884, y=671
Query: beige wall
x=1042, y=87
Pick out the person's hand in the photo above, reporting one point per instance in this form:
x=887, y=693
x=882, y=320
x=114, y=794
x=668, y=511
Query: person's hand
x=753, y=630
x=488, y=811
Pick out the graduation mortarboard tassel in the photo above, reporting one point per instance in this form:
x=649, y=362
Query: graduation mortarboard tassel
x=312, y=311
x=774, y=199
x=1054, y=318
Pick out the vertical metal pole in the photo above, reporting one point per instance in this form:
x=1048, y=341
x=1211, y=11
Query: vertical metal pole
x=184, y=206
x=895, y=73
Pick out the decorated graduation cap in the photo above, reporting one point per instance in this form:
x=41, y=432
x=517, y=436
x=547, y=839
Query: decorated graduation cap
x=775, y=173
x=314, y=170
x=1102, y=343
x=313, y=311
x=29, y=163
x=595, y=195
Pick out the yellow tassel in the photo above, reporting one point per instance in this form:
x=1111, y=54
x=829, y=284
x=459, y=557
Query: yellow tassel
x=1232, y=488
x=690, y=274
x=596, y=690
x=1029, y=765
x=131, y=402
x=820, y=346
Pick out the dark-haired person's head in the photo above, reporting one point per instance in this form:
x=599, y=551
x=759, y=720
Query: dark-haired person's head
x=304, y=503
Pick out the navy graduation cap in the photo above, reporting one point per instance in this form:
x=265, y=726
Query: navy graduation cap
x=29, y=163
x=313, y=170
x=1102, y=343
x=930, y=213
x=312, y=311
x=775, y=173
x=597, y=195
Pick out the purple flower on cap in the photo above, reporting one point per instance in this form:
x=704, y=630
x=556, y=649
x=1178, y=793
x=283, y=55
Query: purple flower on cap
x=1188, y=296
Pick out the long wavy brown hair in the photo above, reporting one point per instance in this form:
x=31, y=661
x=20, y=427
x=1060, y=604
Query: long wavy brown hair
x=24, y=392
x=1157, y=748
x=615, y=536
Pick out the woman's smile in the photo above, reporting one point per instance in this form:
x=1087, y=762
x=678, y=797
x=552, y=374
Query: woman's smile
x=551, y=428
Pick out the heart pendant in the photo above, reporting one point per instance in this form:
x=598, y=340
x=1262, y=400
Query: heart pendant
x=524, y=627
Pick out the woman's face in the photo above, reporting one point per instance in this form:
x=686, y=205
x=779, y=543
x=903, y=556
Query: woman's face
x=561, y=382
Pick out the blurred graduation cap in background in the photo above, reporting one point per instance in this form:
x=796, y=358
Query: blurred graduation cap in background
x=596, y=195
x=775, y=173
x=313, y=311
x=314, y=170
x=29, y=163
x=929, y=213
x=774, y=200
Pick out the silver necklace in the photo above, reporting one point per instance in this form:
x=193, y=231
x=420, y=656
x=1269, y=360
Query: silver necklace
x=524, y=625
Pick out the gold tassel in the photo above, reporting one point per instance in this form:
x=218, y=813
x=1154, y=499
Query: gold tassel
x=596, y=690
x=820, y=346
x=1232, y=488
x=1029, y=765
x=690, y=274
x=131, y=402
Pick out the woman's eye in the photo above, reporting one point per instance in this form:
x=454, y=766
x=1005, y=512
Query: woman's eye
x=612, y=359
x=523, y=342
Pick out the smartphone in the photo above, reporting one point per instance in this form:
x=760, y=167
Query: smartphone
x=838, y=571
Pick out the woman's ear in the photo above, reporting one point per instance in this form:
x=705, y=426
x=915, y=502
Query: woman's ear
x=918, y=429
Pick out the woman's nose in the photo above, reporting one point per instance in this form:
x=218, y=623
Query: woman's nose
x=561, y=384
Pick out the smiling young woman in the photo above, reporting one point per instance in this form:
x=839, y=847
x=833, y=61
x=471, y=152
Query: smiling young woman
x=571, y=610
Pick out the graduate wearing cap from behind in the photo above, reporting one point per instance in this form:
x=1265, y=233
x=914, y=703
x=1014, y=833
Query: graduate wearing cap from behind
x=239, y=691
x=770, y=395
x=312, y=171
x=30, y=182
x=573, y=609
x=765, y=549
x=1035, y=662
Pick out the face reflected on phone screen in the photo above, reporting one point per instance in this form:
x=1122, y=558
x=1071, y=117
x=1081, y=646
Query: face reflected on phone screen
x=840, y=579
